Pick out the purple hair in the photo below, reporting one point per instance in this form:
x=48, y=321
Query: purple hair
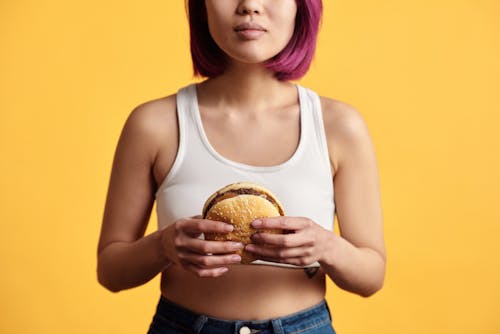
x=291, y=63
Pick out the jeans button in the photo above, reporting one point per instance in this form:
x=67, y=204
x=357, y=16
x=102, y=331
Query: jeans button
x=245, y=330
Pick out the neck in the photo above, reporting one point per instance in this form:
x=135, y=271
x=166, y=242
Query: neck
x=244, y=85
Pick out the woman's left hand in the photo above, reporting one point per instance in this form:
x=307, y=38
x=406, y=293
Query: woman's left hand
x=303, y=242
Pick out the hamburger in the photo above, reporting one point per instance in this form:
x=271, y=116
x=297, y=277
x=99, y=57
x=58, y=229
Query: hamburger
x=239, y=204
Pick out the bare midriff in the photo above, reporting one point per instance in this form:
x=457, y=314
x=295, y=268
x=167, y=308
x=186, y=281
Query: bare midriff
x=245, y=292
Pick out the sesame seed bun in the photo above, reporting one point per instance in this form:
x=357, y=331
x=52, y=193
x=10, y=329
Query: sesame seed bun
x=239, y=204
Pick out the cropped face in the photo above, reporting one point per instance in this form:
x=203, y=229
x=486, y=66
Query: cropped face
x=251, y=31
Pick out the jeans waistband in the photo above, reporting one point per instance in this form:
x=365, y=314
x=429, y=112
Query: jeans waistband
x=177, y=315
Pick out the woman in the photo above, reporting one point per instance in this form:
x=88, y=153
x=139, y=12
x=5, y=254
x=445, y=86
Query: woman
x=246, y=122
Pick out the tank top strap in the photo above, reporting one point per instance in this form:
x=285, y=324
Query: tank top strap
x=314, y=125
x=185, y=103
x=184, y=112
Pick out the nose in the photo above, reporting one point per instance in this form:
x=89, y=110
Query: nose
x=250, y=7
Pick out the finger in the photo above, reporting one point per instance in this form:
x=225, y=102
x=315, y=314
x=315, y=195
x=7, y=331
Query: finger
x=282, y=222
x=207, y=246
x=278, y=252
x=197, y=226
x=209, y=261
x=205, y=272
x=282, y=240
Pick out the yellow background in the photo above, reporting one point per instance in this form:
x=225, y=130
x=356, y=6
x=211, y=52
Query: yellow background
x=425, y=75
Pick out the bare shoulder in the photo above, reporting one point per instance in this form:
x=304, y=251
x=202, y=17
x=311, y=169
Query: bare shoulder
x=342, y=119
x=156, y=122
x=154, y=117
x=152, y=124
x=345, y=129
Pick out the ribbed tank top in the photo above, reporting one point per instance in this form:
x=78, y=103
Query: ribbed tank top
x=303, y=183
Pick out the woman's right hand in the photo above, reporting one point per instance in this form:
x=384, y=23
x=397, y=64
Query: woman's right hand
x=181, y=244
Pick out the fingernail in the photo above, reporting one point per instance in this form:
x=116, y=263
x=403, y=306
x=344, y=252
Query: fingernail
x=257, y=223
x=250, y=248
x=223, y=270
x=236, y=258
x=237, y=245
x=228, y=228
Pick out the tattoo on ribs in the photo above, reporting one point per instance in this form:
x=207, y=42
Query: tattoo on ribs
x=310, y=272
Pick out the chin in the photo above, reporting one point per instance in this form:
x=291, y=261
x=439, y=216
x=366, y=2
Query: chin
x=252, y=54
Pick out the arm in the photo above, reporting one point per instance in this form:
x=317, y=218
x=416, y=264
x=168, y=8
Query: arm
x=355, y=260
x=126, y=258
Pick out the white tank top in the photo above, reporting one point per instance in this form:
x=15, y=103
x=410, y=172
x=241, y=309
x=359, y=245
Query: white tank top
x=303, y=184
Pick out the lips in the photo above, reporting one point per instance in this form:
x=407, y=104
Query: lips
x=249, y=31
x=249, y=26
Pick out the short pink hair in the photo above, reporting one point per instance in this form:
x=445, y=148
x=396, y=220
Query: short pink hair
x=291, y=63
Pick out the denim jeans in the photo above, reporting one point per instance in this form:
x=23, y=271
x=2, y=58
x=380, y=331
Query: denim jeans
x=171, y=318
